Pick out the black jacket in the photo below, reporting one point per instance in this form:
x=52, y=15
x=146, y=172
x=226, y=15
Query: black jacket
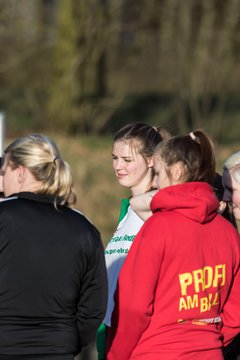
x=53, y=283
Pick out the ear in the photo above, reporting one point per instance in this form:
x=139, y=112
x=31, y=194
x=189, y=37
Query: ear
x=177, y=173
x=150, y=162
x=20, y=174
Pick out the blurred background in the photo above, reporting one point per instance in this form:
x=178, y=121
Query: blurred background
x=78, y=70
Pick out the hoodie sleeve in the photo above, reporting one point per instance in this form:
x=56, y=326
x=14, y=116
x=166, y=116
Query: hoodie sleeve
x=231, y=311
x=135, y=293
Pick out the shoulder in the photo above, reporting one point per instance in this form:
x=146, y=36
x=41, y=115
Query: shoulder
x=155, y=230
x=81, y=222
x=4, y=201
x=6, y=204
x=225, y=226
x=160, y=220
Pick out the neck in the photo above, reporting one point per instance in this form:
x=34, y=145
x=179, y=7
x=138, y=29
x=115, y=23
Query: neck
x=29, y=183
x=142, y=187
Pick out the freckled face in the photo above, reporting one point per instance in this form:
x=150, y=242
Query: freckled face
x=231, y=192
x=130, y=167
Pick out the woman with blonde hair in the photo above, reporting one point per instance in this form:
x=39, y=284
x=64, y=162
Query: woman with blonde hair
x=231, y=184
x=53, y=286
x=132, y=162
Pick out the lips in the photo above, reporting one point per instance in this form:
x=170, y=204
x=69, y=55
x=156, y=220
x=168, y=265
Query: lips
x=119, y=175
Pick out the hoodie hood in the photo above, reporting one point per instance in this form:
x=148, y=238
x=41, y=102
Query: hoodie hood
x=194, y=200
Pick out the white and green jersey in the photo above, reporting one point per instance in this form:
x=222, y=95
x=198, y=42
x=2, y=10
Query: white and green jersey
x=117, y=249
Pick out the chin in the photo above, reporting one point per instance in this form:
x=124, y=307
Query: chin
x=123, y=183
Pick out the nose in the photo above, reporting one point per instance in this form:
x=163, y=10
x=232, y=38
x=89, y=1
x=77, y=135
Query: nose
x=117, y=164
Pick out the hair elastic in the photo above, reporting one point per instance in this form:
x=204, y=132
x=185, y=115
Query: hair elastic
x=55, y=159
x=191, y=134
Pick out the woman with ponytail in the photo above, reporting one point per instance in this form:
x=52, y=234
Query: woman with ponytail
x=53, y=284
x=132, y=162
x=178, y=290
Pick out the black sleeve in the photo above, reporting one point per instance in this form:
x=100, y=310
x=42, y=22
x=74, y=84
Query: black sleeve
x=93, y=295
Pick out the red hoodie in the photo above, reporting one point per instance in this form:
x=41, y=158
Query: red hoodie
x=180, y=283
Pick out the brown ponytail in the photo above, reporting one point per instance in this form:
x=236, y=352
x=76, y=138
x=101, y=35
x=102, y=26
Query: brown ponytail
x=195, y=151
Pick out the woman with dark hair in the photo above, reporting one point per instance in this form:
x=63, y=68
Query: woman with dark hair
x=178, y=291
